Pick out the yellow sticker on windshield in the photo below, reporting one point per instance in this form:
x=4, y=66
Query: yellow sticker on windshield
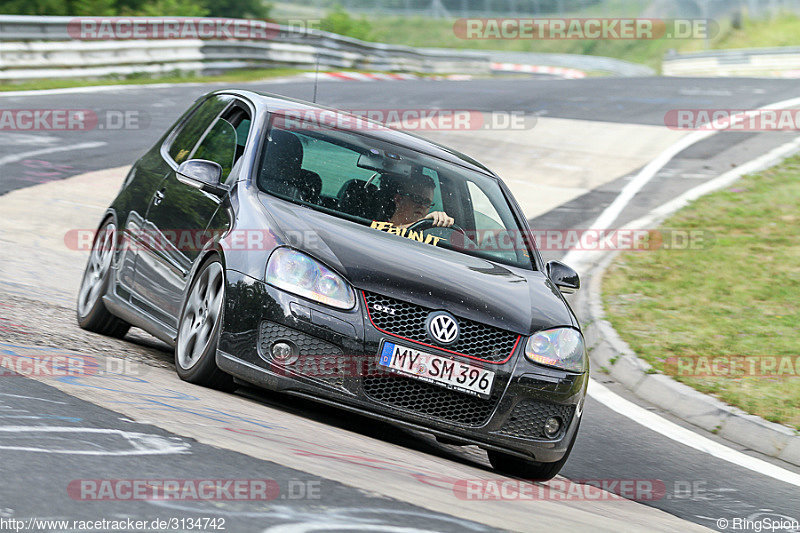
x=388, y=227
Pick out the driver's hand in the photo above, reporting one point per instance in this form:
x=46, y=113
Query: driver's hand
x=440, y=219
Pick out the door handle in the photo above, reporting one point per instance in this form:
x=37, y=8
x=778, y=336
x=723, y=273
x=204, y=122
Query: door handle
x=158, y=197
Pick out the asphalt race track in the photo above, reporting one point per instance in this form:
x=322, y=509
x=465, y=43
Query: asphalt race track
x=699, y=487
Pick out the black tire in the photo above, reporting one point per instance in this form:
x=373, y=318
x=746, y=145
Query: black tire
x=196, y=363
x=524, y=468
x=90, y=310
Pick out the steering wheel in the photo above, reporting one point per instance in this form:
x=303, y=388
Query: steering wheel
x=371, y=178
x=427, y=223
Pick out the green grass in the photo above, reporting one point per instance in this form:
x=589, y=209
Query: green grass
x=235, y=76
x=439, y=33
x=737, y=295
x=783, y=30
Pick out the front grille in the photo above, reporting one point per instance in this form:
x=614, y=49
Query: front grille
x=476, y=340
x=429, y=400
x=528, y=418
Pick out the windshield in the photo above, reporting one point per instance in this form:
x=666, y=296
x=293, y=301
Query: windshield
x=425, y=200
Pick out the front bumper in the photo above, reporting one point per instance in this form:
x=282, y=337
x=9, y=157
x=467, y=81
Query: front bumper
x=336, y=364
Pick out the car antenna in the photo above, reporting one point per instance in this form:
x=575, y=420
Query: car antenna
x=316, y=78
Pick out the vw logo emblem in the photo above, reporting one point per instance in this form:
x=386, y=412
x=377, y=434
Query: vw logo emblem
x=442, y=327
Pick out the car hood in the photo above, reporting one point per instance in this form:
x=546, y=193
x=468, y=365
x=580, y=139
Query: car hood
x=506, y=297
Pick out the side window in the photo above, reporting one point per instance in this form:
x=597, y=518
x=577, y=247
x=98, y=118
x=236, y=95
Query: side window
x=197, y=124
x=225, y=141
x=486, y=217
x=437, y=191
x=242, y=131
x=219, y=145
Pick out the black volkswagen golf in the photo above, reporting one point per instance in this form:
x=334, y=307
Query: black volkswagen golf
x=346, y=262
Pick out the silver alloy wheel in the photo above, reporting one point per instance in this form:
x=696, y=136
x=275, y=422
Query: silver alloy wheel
x=203, y=309
x=96, y=269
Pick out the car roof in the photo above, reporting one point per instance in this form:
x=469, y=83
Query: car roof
x=272, y=102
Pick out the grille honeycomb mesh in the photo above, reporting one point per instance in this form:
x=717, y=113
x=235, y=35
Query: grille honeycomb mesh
x=308, y=345
x=434, y=401
x=477, y=340
x=528, y=418
x=316, y=358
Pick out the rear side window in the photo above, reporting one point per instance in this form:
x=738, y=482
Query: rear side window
x=198, y=123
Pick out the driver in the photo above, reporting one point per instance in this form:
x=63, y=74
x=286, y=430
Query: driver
x=413, y=198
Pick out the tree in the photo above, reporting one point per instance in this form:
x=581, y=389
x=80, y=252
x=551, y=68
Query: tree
x=33, y=7
x=339, y=21
x=173, y=8
x=253, y=9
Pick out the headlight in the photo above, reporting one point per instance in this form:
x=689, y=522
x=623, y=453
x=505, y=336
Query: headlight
x=561, y=347
x=296, y=272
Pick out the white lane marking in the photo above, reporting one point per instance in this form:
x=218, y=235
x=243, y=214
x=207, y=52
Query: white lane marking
x=16, y=138
x=685, y=436
x=140, y=443
x=25, y=155
x=589, y=258
x=31, y=398
x=46, y=417
x=610, y=213
x=762, y=162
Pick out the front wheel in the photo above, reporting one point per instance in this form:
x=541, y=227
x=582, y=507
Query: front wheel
x=527, y=469
x=91, y=311
x=199, y=328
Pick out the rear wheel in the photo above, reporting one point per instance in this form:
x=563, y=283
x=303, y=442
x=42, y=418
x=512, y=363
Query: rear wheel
x=199, y=328
x=91, y=311
x=527, y=469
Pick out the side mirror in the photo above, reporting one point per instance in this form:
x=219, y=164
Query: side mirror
x=564, y=277
x=202, y=174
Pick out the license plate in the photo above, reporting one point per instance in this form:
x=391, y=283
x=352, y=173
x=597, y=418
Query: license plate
x=437, y=370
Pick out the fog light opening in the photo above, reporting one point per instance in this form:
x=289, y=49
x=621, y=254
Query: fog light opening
x=283, y=352
x=552, y=426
